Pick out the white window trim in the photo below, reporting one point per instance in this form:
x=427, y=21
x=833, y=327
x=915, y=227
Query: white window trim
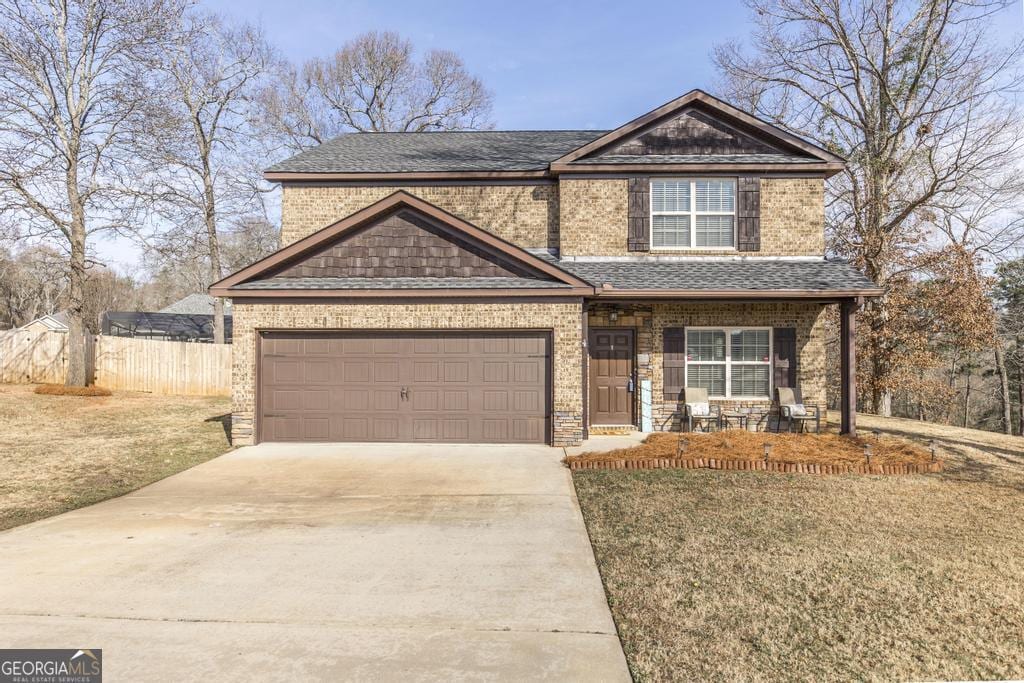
x=728, y=363
x=693, y=213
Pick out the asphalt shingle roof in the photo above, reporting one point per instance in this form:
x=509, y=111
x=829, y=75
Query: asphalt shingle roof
x=195, y=304
x=441, y=151
x=400, y=283
x=740, y=275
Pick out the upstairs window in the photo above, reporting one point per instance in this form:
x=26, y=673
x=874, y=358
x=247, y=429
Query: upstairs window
x=693, y=214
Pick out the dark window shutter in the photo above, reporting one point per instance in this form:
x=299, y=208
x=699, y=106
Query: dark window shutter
x=639, y=234
x=784, y=361
x=748, y=214
x=674, y=362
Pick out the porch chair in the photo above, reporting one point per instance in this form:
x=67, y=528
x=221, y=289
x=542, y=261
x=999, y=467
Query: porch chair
x=794, y=412
x=697, y=410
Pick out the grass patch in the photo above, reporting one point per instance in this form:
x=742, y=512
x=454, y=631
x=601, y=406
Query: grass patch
x=740, y=576
x=738, y=444
x=62, y=390
x=58, y=453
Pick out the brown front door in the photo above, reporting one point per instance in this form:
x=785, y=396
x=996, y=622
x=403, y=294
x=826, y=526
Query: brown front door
x=472, y=387
x=611, y=377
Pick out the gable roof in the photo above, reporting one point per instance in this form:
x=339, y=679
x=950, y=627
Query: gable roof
x=268, y=275
x=195, y=304
x=57, y=322
x=790, y=148
x=466, y=152
x=489, y=154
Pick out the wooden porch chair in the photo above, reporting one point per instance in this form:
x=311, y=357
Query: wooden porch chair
x=693, y=401
x=794, y=412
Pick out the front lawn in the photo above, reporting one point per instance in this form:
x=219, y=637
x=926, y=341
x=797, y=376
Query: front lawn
x=58, y=453
x=742, y=576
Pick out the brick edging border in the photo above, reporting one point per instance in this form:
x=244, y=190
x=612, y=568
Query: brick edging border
x=750, y=465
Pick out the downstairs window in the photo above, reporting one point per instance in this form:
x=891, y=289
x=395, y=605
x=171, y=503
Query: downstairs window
x=729, y=362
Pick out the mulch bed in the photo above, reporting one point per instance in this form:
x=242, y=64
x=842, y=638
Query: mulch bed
x=742, y=450
x=62, y=390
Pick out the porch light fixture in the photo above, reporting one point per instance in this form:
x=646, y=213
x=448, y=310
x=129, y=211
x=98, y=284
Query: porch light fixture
x=613, y=315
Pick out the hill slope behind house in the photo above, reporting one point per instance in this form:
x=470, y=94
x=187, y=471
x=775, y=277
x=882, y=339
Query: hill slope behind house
x=752, y=576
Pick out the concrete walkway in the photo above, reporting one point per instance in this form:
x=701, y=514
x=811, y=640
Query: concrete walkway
x=324, y=562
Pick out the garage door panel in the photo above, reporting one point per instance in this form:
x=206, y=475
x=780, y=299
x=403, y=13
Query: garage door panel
x=460, y=387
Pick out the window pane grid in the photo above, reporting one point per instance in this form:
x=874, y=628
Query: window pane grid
x=729, y=362
x=670, y=231
x=710, y=377
x=693, y=214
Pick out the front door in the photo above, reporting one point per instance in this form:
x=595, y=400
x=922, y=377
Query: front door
x=611, y=377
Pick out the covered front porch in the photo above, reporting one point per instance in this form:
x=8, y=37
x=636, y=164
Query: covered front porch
x=642, y=353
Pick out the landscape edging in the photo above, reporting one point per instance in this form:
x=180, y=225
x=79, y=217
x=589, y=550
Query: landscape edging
x=751, y=465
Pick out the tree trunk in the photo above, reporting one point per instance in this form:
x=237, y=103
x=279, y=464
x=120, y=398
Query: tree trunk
x=1004, y=386
x=1020, y=390
x=967, y=394
x=210, y=202
x=76, y=284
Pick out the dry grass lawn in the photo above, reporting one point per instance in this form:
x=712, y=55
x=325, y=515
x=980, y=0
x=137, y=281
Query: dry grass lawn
x=58, y=453
x=747, y=576
x=738, y=444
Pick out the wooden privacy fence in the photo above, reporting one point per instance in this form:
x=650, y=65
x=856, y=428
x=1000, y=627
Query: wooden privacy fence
x=32, y=357
x=124, y=363
x=163, y=367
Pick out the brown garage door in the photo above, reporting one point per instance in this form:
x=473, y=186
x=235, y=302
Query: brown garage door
x=473, y=387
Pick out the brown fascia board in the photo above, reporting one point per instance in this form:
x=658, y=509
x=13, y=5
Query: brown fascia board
x=393, y=202
x=740, y=295
x=713, y=103
x=828, y=169
x=402, y=294
x=295, y=176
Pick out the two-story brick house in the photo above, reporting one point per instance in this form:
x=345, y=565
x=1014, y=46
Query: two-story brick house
x=524, y=286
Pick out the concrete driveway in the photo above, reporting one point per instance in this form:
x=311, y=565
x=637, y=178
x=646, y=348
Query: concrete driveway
x=324, y=562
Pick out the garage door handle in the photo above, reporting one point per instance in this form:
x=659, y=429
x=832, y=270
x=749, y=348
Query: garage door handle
x=405, y=394
x=273, y=415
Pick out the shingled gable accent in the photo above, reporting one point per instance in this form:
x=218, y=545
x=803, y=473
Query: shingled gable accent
x=714, y=128
x=400, y=236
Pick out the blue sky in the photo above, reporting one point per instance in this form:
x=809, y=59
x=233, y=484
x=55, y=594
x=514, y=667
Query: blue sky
x=549, y=64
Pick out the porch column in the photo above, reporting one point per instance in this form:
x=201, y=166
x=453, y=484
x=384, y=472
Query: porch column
x=848, y=366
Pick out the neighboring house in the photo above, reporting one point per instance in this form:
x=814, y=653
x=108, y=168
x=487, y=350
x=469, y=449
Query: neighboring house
x=195, y=304
x=53, y=322
x=189, y=319
x=525, y=286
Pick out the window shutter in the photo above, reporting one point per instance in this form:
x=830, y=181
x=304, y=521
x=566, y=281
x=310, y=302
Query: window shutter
x=639, y=231
x=673, y=362
x=748, y=214
x=784, y=360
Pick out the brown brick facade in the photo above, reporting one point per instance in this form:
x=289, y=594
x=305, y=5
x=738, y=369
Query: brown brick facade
x=564, y=319
x=594, y=217
x=650, y=321
x=524, y=214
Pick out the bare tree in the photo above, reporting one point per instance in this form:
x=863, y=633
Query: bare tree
x=918, y=97
x=204, y=136
x=374, y=83
x=73, y=77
